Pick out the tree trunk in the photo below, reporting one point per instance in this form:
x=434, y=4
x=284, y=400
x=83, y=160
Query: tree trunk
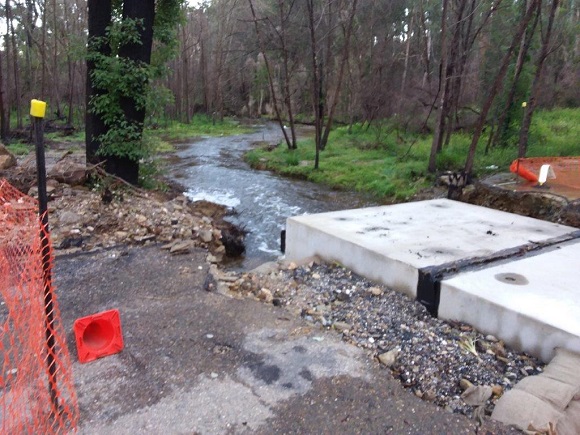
x=463, y=36
x=497, y=84
x=336, y=94
x=55, y=72
x=524, y=47
x=286, y=85
x=43, y=55
x=137, y=54
x=99, y=17
x=406, y=63
x=532, y=100
x=28, y=29
x=17, y=96
x=203, y=64
x=4, y=126
x=270, y=78
x=439, y=126
x=317, y=97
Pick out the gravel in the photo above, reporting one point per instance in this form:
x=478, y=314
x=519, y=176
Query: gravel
x=437, y=360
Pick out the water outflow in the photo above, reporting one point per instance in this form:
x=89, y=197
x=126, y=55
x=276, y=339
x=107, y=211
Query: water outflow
x=213, y=169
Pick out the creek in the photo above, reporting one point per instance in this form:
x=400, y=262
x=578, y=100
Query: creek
x=213, y=169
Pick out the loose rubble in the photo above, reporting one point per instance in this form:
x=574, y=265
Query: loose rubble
x=449, y=364
x=83, y=219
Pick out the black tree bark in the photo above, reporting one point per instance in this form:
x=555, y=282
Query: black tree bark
x=137, y=53
x=99, y=19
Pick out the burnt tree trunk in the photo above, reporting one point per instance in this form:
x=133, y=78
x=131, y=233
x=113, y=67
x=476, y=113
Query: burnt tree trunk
x=138, y=54
x=99, y=19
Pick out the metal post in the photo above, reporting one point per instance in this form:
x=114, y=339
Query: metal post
x=37, y=110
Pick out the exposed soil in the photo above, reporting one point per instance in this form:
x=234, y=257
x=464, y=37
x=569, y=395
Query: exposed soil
x=497, y=192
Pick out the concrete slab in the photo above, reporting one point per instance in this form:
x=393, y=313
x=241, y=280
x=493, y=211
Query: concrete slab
x=392, y=244
x=532, y=303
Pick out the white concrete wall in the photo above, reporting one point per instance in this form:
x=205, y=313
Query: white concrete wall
x=536, y=316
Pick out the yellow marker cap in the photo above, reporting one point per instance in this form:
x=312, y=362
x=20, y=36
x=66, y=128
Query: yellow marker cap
x=37, y=108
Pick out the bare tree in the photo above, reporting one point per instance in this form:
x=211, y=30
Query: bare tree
x=317, y=96
x=532, y=8
x=338, y=85
x=270, y=78
x=532, y=100
x=442, y=92
x=522, y=54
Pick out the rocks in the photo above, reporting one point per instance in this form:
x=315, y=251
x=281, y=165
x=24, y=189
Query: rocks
x=69, y=218
x=426, y=354
x=181, y=246
x=389, y=358
x=465, y=384
x=265, y=295
x=81, y=221
x=69, y=172
x=342, y=326
x=206, y=235
x=7, y=159
x=477, y=395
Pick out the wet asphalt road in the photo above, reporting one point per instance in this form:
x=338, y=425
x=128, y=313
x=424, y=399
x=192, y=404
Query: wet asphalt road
x=199, y=362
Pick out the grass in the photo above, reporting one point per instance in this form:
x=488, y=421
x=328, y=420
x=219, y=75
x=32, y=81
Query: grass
x=19, y=148
x=57, y=136
x=200, y=125
x=392, y=165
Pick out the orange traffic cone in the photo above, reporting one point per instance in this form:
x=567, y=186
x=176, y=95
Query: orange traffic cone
x=98, y=335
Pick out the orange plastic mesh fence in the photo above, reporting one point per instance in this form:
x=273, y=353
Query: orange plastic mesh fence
x=37, y=392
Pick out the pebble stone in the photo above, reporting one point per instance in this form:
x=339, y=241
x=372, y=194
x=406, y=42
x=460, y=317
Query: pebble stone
x=427, y=355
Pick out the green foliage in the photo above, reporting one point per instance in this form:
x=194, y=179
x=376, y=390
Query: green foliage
x=393, y=166
x=119, y=78
x=555, y=133
x=200, y=125
x=168, y=14
x=57, y=136
x=151, y=175
x=19, y=148
x=158, y=98
x=292, y=158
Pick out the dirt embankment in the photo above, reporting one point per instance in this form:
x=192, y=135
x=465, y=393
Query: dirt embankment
x=536, y=203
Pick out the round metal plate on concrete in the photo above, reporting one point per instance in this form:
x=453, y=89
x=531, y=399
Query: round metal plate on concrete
x=512, y=278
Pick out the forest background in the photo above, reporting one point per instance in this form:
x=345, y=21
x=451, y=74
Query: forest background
x=430, y=85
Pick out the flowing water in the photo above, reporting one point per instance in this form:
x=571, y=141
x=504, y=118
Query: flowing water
x=213, y=169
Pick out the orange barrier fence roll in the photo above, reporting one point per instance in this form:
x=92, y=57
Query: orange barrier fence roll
x=37, y=392
x=566, y=169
